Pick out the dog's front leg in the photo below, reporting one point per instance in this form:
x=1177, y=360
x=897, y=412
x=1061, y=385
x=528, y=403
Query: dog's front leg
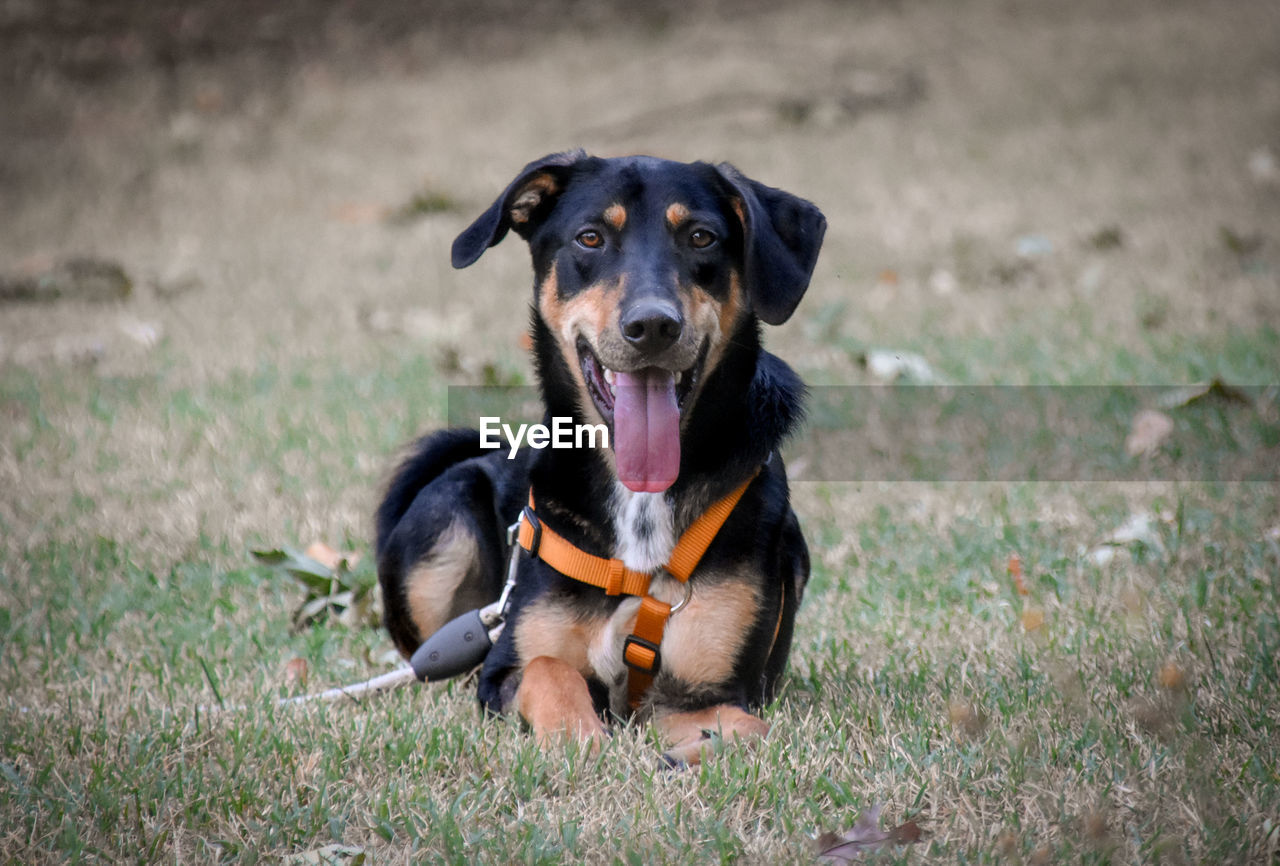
x=553, y=698
x=689, y=734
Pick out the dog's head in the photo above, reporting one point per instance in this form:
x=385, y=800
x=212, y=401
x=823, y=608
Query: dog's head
x=645, y=270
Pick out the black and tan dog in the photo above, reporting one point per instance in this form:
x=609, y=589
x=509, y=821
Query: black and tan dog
x=651, y=279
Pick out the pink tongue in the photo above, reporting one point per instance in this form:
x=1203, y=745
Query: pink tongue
x=646, y=429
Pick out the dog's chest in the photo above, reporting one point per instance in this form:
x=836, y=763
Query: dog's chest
x=645, y=528
x=702, y=640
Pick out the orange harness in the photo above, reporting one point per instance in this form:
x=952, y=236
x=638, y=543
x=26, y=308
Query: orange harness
x=641, y=649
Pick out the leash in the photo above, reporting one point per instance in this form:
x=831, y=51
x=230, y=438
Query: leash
x=642, y=648
x=462, y=643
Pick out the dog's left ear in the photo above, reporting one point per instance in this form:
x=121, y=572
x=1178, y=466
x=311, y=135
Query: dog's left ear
x=782, y=234
x=521, y=206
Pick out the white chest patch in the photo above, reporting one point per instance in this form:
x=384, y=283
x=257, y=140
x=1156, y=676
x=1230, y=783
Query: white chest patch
x=644, y=526
x=645, y=529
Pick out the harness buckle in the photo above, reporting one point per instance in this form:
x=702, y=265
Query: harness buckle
x=645, y=644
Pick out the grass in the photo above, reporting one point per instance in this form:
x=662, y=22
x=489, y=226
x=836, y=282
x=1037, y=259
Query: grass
x=1133, y=720
x=1123, y=710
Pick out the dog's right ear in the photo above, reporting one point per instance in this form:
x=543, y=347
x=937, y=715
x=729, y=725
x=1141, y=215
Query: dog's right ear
x=521, y=207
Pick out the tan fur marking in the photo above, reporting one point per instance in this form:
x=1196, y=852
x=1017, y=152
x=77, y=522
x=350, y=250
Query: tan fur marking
x=548, y=629
x=703, y=640
x=531, y=194
x=431, y=584
x=684, y=731
x=715, y=318
x=589, y=313
x=553, y=698
x=731, y=309
x=549, y=304
x=616, y=216
x=677, y=214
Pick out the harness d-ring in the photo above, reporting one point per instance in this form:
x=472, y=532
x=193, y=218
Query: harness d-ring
x=688, y=591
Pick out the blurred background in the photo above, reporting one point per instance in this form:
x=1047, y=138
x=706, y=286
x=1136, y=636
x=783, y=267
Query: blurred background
x=1018, y=192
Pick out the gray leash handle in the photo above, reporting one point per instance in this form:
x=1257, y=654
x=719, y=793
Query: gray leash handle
x=455, y=648
x=463, y=642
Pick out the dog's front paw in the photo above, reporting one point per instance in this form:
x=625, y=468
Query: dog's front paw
x=554, y=699
x=693, y=735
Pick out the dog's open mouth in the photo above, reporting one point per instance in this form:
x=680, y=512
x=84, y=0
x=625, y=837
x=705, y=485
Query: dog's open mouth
x=643, y=409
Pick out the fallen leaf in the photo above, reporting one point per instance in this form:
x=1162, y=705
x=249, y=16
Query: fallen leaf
x=330, y=558
x=1137, y=529
x=1150, y=429
x=906, y=833
x=865, y=837
x=311, y=610
x=1032, y=619
x=1214, y=389
x=967, y=717
x=295, y=673
x=888, y=365
x=1015, y=571
x=1172, y=677
x=329, y=855
x=316, y=576
x=333, y=586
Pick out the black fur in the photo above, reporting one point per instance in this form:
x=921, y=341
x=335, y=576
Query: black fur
x=737, y=416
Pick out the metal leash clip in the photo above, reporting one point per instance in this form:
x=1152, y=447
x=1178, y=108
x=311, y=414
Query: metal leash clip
x=464, y=641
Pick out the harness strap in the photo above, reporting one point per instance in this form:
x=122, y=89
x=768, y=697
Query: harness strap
x=641, y=651
x=607, y=574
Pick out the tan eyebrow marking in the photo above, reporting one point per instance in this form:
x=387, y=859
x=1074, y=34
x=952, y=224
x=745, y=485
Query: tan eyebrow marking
x=616, y=216
x=677, y=214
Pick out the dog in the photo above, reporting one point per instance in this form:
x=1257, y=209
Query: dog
x=651, y=281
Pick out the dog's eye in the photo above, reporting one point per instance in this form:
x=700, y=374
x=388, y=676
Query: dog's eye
x=700, y=239
x=591, y=239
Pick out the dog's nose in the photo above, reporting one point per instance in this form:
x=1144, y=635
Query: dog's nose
x=652, y=326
